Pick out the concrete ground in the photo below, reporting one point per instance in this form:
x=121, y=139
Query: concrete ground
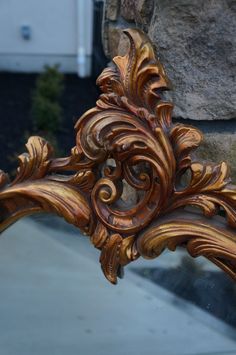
x=55, y=301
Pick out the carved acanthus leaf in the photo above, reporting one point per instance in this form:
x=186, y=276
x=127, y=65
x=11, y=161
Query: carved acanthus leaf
x=35, y=163
x=37, y=191
x=4, y=179
x=184, y=139
x=129, y=140
x=209, y=189
x=199, y=238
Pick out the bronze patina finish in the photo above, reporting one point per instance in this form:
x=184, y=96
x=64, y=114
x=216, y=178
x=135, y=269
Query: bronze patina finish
x=131, y=124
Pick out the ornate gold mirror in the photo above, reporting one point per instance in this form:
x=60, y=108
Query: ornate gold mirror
x=129, y=139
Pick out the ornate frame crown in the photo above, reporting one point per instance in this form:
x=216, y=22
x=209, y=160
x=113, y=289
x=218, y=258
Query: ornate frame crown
x=129, y=138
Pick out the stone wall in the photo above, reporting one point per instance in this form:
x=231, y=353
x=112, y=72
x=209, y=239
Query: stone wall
x=196, y=42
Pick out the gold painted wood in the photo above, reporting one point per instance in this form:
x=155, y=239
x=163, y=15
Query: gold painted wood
x=129, y=138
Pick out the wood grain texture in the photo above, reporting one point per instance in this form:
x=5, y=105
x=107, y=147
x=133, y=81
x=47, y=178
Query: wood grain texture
x=131, y=124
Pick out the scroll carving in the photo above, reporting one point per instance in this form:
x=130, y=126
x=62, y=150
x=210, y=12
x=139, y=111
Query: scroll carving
x=131, y=126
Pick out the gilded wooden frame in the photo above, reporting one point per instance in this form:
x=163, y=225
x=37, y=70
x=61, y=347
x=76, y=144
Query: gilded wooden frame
x=129, y=138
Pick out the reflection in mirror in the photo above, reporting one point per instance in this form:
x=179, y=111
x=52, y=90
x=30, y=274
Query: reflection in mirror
x=195, y=281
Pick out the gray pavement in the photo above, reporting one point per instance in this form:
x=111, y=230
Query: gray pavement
x=55, y=301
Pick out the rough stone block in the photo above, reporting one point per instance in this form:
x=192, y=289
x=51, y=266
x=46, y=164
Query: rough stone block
x=127, y=9
x=197, y=44
x=138, y=11
x=113, y=40
x=218, y=147
x=112, y=9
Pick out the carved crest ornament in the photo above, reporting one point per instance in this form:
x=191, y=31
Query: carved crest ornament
x=129, y=138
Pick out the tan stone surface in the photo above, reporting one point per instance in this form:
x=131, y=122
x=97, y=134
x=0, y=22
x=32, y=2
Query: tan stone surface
x=123, y=45
x=113, y=39
x=127, y=9
x=138, y=11
x=218, y=147
x=196, y=43
x=112, y=9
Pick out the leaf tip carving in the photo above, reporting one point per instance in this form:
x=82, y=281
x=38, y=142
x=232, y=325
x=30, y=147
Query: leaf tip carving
x=34, y=164
x=109, y=258
x=138, y=75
